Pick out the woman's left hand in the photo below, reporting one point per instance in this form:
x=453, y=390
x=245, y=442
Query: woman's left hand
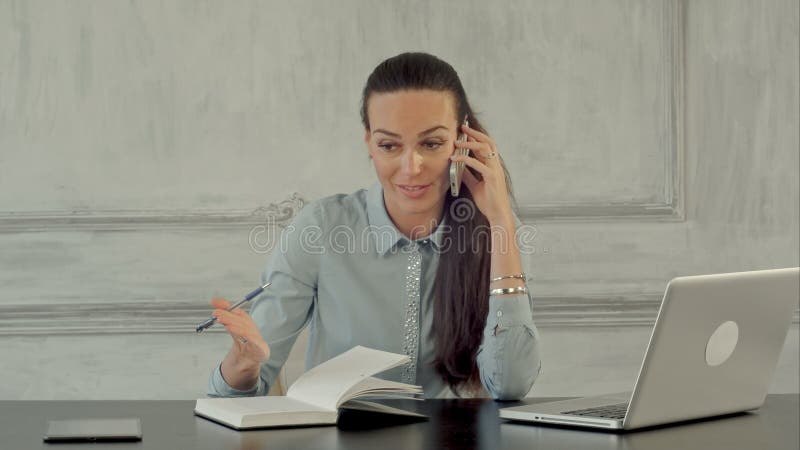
x=490, y=193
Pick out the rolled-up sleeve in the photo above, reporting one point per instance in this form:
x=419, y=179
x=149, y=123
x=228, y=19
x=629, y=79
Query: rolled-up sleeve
x=218, y=387
x=284, y=309
x=508, y=358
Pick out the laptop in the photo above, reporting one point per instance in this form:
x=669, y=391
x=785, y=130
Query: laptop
x=713, y=351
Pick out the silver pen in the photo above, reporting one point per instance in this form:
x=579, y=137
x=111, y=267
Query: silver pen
x=247, y=298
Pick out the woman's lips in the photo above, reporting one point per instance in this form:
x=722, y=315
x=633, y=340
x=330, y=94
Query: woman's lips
x=414, y=190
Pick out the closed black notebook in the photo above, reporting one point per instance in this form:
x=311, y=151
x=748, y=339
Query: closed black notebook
x=94, y=430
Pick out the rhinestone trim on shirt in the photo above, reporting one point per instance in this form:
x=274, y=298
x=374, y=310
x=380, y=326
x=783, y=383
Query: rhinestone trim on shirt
x=411, y=324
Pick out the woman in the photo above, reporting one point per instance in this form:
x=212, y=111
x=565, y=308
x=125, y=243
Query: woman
x=403, y=266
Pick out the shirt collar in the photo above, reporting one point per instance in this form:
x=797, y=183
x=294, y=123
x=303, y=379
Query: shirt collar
x=382, y=227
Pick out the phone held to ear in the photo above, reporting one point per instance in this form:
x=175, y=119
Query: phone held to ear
x=457, y=167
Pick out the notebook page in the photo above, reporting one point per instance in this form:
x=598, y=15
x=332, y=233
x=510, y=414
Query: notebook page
x=325, y=384
x=379, y=387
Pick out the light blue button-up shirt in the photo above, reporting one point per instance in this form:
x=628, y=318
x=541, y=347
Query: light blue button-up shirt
x=343, y=269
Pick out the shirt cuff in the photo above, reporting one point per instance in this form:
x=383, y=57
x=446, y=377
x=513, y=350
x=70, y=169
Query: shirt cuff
x=508, y=311
x=218, y=387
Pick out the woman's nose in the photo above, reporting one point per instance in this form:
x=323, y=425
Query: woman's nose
x=412, y=162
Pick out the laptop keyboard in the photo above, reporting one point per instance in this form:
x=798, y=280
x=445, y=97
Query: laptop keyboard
x=606, y=411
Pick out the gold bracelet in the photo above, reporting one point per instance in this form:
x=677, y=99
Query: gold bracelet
x=513, y=290
x=521, y=276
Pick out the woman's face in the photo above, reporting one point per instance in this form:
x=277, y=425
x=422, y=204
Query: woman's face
x=410, y=142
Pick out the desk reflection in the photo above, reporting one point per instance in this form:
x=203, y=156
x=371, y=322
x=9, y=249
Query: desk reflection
x=213, y=435
x=452, y=424
x=474, y=424
x=747, y=430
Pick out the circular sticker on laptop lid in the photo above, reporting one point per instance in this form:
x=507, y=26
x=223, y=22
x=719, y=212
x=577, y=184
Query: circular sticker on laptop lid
x=721, y=344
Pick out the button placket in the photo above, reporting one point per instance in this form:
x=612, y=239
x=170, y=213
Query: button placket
x=411, y=324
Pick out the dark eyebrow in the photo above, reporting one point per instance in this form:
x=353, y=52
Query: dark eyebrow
x=428, y=131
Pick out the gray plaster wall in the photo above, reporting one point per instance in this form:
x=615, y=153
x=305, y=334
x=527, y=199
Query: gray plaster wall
x=149, y=148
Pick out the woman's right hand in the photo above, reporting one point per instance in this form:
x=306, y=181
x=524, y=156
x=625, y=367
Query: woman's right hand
x=248, y=344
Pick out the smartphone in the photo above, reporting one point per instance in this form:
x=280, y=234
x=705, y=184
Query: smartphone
x=94, y=430
x=457, y=167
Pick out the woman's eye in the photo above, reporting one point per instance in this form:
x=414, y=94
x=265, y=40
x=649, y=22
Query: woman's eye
x=386, y=147
x=432, y=145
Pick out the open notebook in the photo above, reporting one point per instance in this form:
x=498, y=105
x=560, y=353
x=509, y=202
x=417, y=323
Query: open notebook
x=344, y=381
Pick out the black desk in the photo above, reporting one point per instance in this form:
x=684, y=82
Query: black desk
x=461, y=424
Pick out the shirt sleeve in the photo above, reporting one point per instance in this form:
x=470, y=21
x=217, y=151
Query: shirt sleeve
x=508, y=358
x=284, y=309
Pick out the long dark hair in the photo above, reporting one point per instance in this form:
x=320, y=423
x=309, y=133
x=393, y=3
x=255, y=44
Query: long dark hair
x=461, y=288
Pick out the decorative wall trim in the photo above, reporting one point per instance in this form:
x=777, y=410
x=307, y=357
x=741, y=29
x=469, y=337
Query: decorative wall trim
x=671, y=207
x=98, y=317
x=603, y=212
x=280, y=214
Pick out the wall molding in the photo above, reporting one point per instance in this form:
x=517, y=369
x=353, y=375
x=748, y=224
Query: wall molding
x=279, y=213
x=179, y=317
x=670, y=208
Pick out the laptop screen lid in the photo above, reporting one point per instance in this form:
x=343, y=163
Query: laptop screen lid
x=715, y=345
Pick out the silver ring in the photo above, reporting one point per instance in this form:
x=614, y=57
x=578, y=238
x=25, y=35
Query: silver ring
x=491, y=155
x=241, y=340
